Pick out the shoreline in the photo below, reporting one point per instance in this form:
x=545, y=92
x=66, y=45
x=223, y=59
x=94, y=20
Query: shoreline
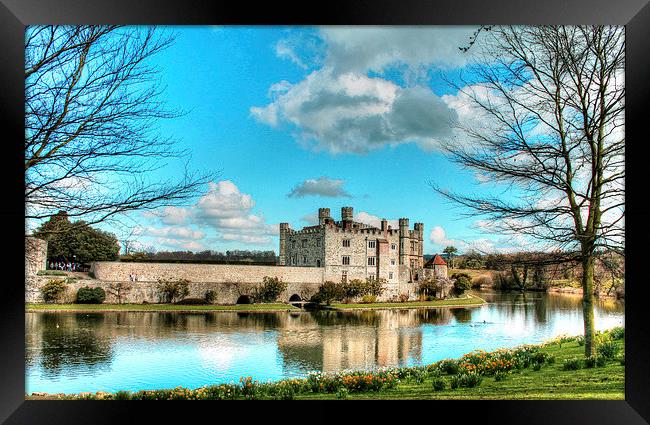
x=412, y=305
x=470, y=301
x=156, y=308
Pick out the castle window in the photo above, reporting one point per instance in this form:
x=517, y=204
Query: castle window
x=372, y=261
x=371, y=244
x=390, y=275
x=304, y=259
x=318, y=263
x=371, y=276
x=346, y=260
x=317, y=242
x=304, y=243
x=293, y=243
x=392, y=262
x=344, y=276
x=346, y=243
x=393, y=246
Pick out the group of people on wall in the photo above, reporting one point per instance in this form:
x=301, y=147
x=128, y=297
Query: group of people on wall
x=69, y=266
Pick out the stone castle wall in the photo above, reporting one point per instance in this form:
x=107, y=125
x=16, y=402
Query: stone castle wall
x=206, y=273
x=226, y=293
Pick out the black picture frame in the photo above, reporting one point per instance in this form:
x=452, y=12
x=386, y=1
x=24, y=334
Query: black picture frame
x=16, y=14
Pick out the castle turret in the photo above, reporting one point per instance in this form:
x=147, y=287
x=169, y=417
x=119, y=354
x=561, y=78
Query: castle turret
x=346, y=214
x=419, y=234
x=323, y=214
x=403, y=240
x=346, y=217
x=284, y=229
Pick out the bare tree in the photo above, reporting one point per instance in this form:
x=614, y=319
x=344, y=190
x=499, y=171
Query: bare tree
x=547, y=107
x=92, y=106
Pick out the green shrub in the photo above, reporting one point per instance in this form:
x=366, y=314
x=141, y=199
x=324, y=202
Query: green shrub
x=607, y=349
x=600, y=361
x=618, y=333
x=88, y=295
x=342, y=393
x=438, y=384
x=537, y=366
x=572, y=364
x=328, y=292
x=462, y=282
x=53, y=290
x=122, y=395
x=171, y=291
x=428, y=287
x=210, y=296
x=354, y=288
x=580, y=340
x=590, y=362
x=467, y=380
x=449, y=367
x=455, y=382
x=270, y=289
x=500, y=376
x=622, y=360
x=368, y=299
x=550, y=359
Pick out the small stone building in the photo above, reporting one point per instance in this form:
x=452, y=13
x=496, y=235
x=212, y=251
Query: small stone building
x=436, y=267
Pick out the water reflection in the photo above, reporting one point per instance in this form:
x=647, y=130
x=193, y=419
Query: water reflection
x=69, y=352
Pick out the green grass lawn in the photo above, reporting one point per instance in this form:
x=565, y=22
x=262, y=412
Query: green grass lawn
x=158, y=307
x=466, y=301
x=548, y=383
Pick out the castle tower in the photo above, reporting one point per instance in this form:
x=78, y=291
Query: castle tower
x=346, y=214
x=284, y=229
x=323, y=213
x=346, y=217
x=419, y=234
x=403, y=241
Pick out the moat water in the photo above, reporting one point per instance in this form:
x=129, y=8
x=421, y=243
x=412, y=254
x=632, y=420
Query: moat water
x=76, y=352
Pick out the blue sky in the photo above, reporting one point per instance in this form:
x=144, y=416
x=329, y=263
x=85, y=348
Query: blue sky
x=297, y=118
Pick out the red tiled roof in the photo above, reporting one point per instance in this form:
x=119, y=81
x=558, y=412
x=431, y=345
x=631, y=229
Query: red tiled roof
x=437, y=260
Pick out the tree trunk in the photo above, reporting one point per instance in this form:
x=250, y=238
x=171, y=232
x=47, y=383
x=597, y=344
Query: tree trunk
x=588, y=303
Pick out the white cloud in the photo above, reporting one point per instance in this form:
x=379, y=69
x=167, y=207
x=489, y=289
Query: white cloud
x=322, y=186
x=373, y=220
x=223, y=211
x=352, y=112
x=378, y=48
x=173, y=232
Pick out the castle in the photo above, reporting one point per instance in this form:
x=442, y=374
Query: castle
x=348, y=249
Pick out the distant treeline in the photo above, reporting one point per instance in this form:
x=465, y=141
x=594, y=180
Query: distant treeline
x=206, y=257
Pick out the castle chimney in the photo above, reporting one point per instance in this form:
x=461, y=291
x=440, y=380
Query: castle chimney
x=323, y=213
x=384, y=224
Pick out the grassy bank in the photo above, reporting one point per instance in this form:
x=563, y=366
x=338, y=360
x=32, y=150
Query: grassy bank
x=470, y=300
x=157, y=307
x=537, y=372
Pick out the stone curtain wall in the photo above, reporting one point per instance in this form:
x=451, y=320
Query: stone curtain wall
x=226, y=293
x=206, y=273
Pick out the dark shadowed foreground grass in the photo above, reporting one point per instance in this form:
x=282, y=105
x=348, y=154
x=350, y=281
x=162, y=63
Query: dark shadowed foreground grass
x=539, y=372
